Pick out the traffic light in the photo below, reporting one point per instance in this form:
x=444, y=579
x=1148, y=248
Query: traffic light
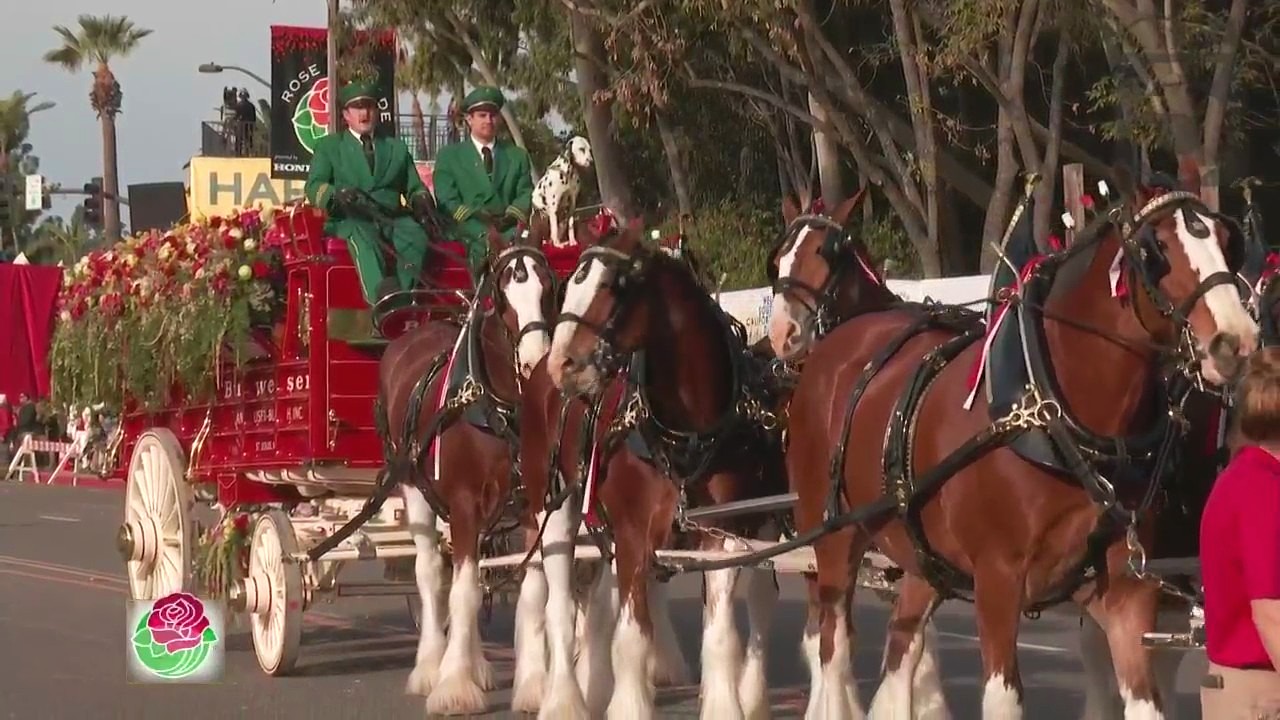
x=93, y=203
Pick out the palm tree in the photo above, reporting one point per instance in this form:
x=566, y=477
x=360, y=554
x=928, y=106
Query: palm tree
x=58, y=241
x=99, y=41
x=15, y=123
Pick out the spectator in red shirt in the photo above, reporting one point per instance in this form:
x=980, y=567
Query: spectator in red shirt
x=1240, y=559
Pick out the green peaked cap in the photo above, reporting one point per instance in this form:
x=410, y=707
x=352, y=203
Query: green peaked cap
x=482, y=96
x=358, y=90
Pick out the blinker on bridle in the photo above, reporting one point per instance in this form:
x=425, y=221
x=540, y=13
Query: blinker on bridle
x=815, y=300
x=519, y=274
x=627, y=272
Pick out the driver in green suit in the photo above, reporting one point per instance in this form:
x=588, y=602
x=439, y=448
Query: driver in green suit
x=483, y=181
x=357, y=164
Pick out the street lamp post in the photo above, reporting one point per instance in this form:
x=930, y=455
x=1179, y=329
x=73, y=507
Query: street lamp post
x=214, y=68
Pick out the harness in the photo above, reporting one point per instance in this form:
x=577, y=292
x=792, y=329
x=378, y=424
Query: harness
x=467, y=394
x=684, y=456
x=1038, y=410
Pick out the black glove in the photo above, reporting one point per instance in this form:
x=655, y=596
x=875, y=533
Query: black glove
x=346, y=196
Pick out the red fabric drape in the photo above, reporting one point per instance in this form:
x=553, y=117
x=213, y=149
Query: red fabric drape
x=28, y=302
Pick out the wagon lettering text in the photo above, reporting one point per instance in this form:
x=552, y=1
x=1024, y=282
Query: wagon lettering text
x=298, y=383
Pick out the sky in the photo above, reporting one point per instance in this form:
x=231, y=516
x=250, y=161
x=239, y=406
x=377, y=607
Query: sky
x=165, y=98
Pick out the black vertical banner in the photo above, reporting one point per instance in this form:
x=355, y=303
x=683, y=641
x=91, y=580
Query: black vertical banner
x=300, y=98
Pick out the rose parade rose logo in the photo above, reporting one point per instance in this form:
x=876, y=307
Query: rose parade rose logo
x=311, y=118
x=174, y=639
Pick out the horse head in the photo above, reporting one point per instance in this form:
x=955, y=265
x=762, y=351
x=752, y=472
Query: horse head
x=1182, y=259
x=810, y=273
x=622, y=296
x=523, y=291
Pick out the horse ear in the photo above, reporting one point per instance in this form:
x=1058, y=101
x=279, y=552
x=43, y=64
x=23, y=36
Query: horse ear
x=1189, y=173
x=849, y=205
x=790, y=209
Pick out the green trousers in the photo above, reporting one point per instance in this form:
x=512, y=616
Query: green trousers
x=367, y=251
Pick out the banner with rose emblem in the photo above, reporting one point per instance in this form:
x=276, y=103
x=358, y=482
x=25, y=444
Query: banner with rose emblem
x=300, y=104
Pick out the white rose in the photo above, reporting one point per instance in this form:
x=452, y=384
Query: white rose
x=199, y=274
x=66, y=316
x=166, y=252
x=250, y=244
x=191, y=248
x=236, y=233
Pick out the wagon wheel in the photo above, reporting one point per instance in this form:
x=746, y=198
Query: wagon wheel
x=272, y=594
x=155, y=539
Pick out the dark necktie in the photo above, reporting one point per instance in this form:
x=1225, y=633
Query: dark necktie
x=367, y=142
x=488, y=161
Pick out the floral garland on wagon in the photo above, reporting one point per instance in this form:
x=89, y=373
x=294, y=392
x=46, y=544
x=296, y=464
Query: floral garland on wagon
x=158, y=312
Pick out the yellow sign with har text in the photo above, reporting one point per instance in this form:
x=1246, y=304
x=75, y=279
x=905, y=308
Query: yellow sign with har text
x=220, y=186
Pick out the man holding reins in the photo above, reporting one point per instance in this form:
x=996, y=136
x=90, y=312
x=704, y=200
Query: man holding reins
x=483, y=181
x=358, y=176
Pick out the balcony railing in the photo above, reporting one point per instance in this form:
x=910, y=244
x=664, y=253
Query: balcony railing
x=241, y=139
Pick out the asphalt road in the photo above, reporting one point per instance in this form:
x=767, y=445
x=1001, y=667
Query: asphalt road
x=63, y=641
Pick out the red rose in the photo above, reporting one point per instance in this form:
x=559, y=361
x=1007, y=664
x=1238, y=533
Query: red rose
x=215, y=222
x=229, y=242
x=318, y=103
x=261, y=270
x=177, y=622
x=242, y=524
x=1087, y=201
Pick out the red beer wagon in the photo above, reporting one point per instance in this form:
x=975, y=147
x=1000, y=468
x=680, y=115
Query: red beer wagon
x=289, y=438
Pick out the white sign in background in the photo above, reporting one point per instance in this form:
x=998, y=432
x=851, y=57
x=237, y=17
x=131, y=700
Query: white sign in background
x=752, y=307
x=35, y=192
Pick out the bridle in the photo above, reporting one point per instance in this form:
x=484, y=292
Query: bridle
x=1146, y=260
x=492, y=275
x=818, y=301
x=628, y=273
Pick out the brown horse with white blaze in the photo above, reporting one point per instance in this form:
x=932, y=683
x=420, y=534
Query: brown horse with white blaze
x=449, y=392
x=688, y=433
x=1007, y=500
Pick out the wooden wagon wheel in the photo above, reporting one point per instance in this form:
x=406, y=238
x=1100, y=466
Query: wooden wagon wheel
x=273, y=593
x=155, y=539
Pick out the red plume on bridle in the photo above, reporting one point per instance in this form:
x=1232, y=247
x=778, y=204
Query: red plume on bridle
x=817, y=207
x=603, y=224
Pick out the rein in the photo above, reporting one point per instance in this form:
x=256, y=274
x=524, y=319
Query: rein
x=405, y=457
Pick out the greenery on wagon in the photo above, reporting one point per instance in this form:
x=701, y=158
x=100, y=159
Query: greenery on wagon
x=162, y=314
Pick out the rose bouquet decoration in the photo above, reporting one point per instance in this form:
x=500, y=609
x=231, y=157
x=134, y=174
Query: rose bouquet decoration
x=158, y=312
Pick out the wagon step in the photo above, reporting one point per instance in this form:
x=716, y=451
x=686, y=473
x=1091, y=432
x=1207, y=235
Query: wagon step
x=771, y=503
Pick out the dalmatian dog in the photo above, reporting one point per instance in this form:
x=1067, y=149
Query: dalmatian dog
x=556, y=194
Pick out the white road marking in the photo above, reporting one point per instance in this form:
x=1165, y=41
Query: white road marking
x=59, y=518
x=1023, y=645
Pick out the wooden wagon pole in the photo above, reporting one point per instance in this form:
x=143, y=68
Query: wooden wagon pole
x=1072, y=198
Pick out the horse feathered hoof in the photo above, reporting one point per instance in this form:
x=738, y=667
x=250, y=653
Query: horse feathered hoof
x=564, y=701
x=456, y=695
x=420, y=681
x=526, y=696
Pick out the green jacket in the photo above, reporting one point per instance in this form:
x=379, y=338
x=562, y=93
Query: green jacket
x=462, y=187
x=339, y=162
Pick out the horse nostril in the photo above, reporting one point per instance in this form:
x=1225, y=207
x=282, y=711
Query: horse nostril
x=1224, y=344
